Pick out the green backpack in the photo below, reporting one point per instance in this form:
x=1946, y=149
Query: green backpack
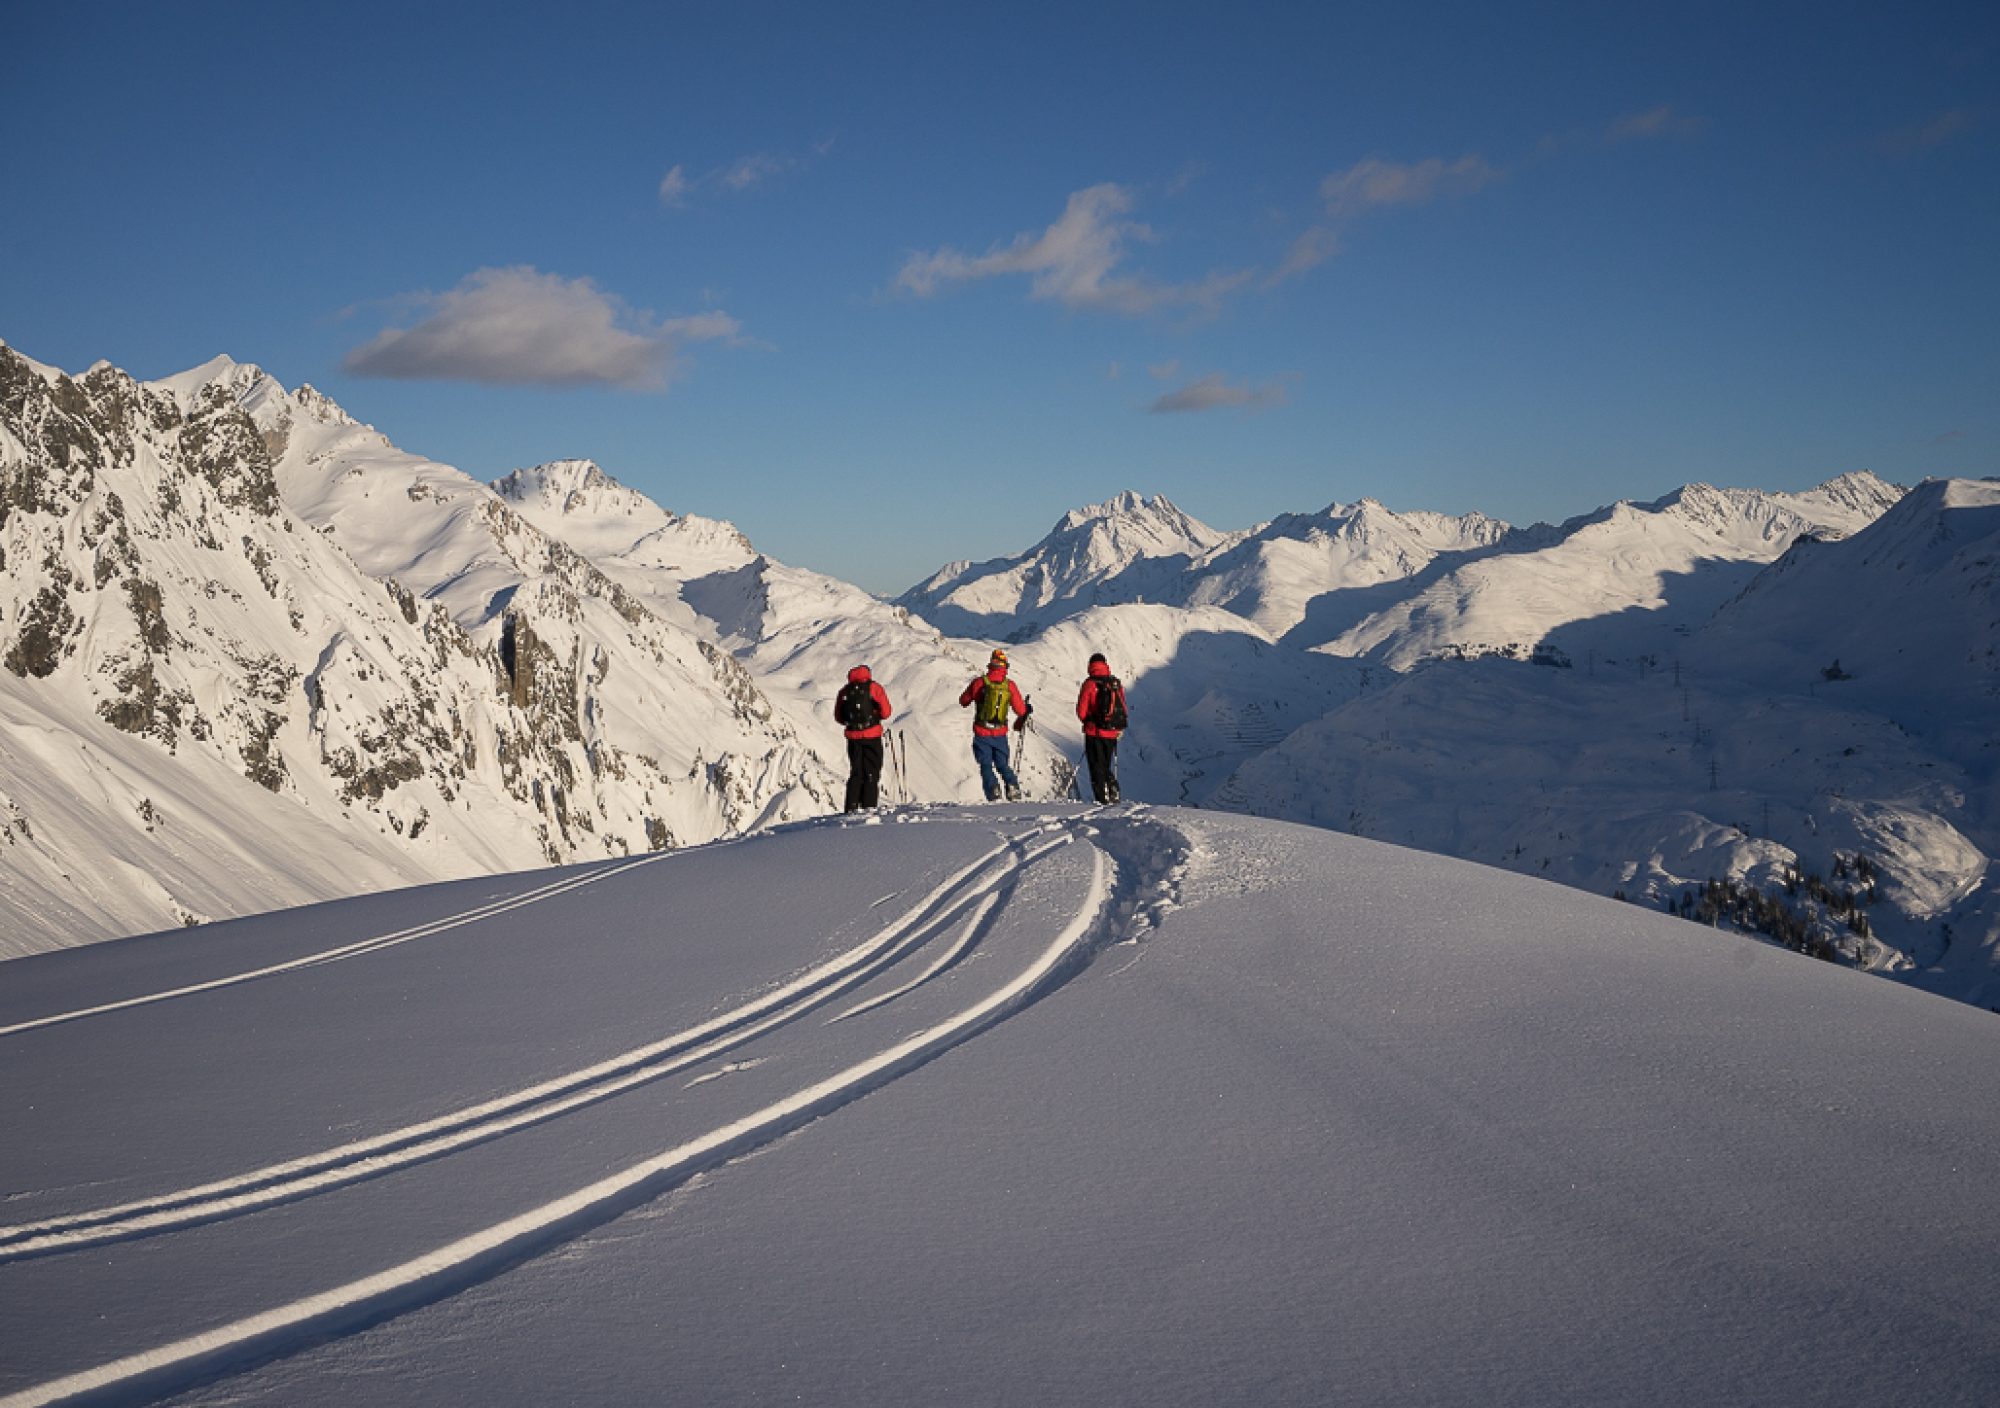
x=992, y=708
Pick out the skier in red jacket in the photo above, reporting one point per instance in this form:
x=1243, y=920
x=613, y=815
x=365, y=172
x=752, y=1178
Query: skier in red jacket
x=995, y=695
x=1100, y=707
x=860, y=708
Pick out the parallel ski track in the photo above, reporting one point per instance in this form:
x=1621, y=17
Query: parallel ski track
x=344, y=951
x=978, y=882
x=968, y=935
x=471, y=1258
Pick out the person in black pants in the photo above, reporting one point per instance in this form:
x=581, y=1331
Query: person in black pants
x=1100, y=707
x=860, y=708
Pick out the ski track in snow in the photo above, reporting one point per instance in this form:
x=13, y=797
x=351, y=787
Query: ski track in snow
x=1124, y=894
x=343, y=951
x=398, y=1148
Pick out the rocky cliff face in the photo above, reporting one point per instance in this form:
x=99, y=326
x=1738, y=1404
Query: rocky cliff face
x=158, y=584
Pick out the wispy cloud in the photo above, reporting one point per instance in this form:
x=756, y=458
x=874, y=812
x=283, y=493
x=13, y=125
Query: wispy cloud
x=1663, y=120
x=678, y=186
x=1216, y=393
x=1372, y=185
x=1907, y=141
x=756, y=169
x=1076, y=262
x=1311, y=249
x=520, y=327
x=1652, y=124
x=1950, y=437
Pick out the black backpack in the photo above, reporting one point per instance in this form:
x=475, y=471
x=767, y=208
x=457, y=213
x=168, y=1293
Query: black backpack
x=856, y=706
x=1107, y=706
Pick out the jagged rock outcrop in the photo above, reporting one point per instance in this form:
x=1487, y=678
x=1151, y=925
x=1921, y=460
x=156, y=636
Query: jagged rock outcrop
x=505, y=704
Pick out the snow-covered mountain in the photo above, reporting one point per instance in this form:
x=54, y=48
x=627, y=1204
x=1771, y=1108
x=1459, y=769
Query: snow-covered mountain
x=1135, y=1106
x=258, y=655
x=1126, y=549
x=1911, y=608
x=331, y=648
x=1629, y=578
x=1838, y=719
x=1400, y=589
x=620, y=529
x=1290, y=572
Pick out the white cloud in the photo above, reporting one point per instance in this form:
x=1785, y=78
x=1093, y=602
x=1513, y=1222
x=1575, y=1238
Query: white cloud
x=743, y=174
x=1372, y=184
x=1073, y=262
x=1164, y=371
x=1214, y=392
x=520, y=327
x=756, y=169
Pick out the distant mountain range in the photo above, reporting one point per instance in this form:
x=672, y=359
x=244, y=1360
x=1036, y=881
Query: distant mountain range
x=1366, y=582
x=256, y=655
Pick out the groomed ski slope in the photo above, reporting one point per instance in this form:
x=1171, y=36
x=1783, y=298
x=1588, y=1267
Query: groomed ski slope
x=1017, y=1104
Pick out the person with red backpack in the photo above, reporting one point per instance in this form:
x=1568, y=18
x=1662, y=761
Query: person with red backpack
x=990, y=697
x=860, y=708
x=1100, y=706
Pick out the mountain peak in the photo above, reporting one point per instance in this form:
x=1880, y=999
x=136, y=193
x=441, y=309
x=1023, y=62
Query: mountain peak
x=1859, y=492
x=249, y=384
x=558, y=482
x=1127, y=504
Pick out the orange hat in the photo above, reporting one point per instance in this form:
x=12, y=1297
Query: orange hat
x=998, y=657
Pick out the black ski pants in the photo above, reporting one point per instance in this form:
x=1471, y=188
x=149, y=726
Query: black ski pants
x=1102, y=755
x=864, y=773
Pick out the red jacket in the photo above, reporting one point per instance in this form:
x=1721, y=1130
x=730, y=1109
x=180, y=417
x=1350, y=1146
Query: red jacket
x=859, y=675
x=972, y=691
x=1086, y=701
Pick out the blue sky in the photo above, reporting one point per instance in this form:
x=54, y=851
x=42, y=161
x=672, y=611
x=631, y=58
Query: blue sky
x=888, y=285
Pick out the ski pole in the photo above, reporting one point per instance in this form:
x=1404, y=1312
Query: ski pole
x=1019, y=755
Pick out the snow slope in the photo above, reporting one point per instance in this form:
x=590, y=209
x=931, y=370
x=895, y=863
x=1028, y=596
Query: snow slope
x=992, y=1105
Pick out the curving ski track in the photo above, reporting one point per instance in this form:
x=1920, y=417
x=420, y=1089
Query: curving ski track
x=383, y=1153
x=1119, y=898
x=341, y=951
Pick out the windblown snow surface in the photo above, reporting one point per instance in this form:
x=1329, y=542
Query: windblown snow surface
x=1023, y=1104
